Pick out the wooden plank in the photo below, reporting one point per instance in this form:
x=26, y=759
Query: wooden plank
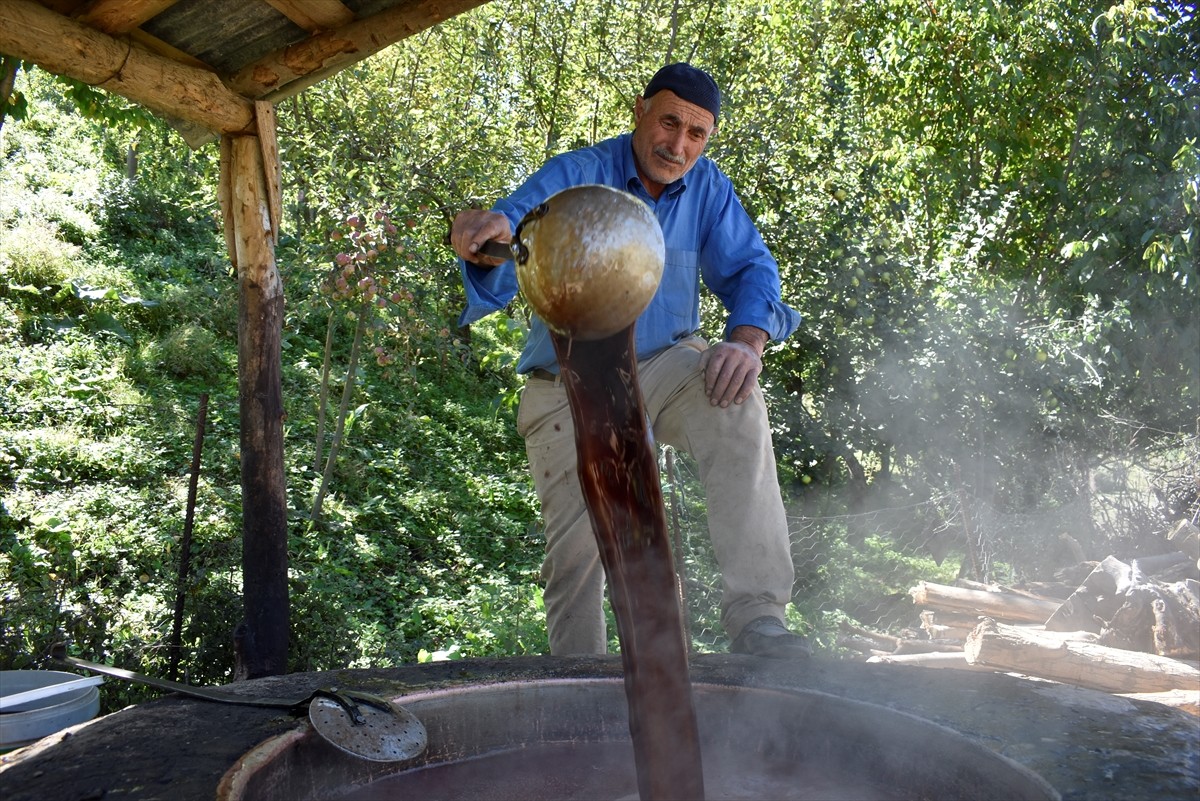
x=1084, y=664
x=1183, y=700
x=264, y=113
x=947, y=659
x=314, y=15
x=928, y=647
x=121, y=16
x=66, y=47
x=225, y=199
x=285, y=72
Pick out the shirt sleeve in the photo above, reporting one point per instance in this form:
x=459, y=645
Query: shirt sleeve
x=491, y=289
x=738, y=268
x=488, y=289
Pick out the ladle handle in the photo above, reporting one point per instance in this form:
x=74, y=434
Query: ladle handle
x=59, y=654
x=496, y=249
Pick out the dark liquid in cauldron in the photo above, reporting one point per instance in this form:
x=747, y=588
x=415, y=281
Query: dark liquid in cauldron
x=604, y=770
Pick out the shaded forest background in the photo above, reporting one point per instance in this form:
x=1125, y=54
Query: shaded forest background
x=985, y=211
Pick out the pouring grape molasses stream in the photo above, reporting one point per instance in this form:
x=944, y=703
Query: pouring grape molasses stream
x=589, y=259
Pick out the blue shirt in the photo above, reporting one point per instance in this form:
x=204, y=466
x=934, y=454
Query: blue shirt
x=707, y=235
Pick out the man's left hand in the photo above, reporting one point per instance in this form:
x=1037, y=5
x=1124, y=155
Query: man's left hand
x=731, y=368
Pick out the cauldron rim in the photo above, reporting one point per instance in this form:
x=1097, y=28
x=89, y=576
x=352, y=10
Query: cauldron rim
x=264, y=765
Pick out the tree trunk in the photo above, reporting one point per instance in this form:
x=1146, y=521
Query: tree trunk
x=323, y=395
x=364, y=317
x=1183, y=700
x=947, y=625
x=8, y=79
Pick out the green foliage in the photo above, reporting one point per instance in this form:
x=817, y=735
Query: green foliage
x=928, y=210
x=174, y=240
x=13, y=103
x=98, y=423
x=102, y=107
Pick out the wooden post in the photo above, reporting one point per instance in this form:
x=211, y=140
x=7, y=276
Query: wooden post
x=185, y=544
x=246, y=186
x=101, y=46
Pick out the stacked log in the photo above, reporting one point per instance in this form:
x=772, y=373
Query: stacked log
x=939, y=625
x=981, y=627
x=948, y=615
x=1003, y=605
x=1052, y=655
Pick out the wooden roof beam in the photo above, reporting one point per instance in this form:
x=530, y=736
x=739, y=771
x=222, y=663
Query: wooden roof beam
x=121, y=16
x=314, y=15
x=34, y=33
x=293, y=69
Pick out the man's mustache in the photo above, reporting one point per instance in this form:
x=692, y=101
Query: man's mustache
x=663, y=153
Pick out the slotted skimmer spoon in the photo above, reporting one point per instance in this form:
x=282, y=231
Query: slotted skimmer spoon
x=361, y=724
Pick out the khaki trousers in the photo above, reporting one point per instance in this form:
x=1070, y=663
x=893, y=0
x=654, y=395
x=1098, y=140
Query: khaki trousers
x=732, y=448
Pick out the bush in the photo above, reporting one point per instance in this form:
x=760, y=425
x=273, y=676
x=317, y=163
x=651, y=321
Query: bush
x=188, y=351
x=32, y=255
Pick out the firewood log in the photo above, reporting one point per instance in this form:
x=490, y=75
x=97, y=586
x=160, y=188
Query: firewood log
x=1085, y=664
x=1002, y=605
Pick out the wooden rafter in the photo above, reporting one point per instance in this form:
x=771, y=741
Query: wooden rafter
x=32, y=32
x=117, y=17
x=107, y=43
x=156, y=45
x=285, y=72
x=121, y=16
x=314, y=15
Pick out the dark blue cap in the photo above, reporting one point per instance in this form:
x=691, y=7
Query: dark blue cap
x=691, y=84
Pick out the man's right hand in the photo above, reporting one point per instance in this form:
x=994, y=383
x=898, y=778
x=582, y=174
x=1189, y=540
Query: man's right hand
x=472, y=228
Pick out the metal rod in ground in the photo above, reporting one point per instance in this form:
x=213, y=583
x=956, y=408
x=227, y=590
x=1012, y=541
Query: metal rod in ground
x=185, y=545
x=677, y=543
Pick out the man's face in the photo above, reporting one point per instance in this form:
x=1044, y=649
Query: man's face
x=668, y=136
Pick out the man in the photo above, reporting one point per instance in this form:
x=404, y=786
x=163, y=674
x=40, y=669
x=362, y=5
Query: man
x=700, y=399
